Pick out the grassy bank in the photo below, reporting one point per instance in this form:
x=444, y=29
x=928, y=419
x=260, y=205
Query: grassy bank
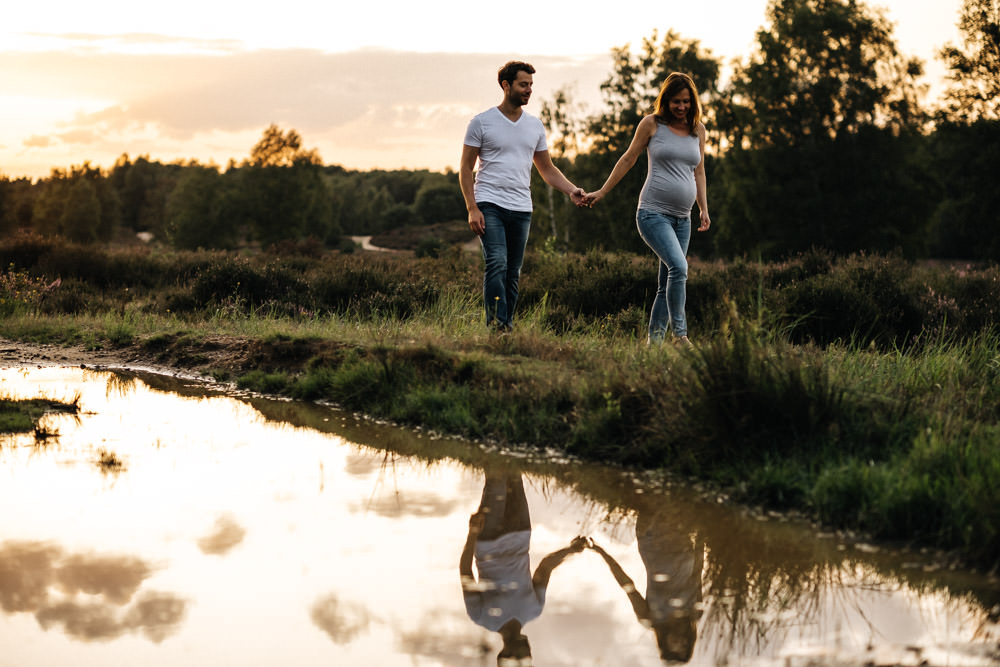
x=864, y=391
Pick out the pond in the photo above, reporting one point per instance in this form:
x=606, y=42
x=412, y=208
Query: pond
x=173, y=523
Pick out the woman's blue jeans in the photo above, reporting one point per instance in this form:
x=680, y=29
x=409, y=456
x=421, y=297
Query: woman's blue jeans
x=504, y=241
x=668, y=236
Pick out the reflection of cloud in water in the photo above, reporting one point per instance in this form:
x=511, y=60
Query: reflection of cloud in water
x=32, y=572
x=116, y=578
x=156, y=615
x=344, y=621
x=417, y=504
x=360, y=465
x=227, y=534
x=443, y=637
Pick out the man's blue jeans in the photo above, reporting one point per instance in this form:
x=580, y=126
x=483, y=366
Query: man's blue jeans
x=668, y=236
x=503, y=242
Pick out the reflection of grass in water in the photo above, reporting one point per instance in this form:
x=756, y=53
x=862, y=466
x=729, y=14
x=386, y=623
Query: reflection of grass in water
x=23, y=415
x=109, y=462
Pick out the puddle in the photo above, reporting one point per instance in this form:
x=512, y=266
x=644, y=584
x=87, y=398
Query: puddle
x=235, y=530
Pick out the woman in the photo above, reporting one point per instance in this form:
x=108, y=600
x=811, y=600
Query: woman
x=675, y=138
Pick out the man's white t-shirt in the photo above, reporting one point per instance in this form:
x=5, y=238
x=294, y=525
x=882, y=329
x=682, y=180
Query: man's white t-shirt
x=506, y=152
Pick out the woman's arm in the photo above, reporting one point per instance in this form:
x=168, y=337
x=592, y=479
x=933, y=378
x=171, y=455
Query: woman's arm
x=643, y=133
x=700, y=183
x=639, y=605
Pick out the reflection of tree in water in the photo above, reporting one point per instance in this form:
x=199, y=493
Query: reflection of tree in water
x=42, y=579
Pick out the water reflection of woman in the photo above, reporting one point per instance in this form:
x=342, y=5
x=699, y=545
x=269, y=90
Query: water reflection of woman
x=507, y=595
x=674, y=559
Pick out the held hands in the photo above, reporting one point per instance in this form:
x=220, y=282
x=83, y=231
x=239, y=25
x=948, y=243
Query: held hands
x=591, y=198
x=577, y=196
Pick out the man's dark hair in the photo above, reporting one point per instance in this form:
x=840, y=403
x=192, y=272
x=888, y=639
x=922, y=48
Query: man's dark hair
x=509, y=71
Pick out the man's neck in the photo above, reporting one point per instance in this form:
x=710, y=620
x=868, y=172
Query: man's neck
x=512, y=111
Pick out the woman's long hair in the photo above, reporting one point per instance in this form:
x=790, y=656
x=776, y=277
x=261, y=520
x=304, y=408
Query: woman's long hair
x=675, y=83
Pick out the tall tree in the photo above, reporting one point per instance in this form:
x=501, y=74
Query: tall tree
x=285, y=190
x=819, y=126
x=194, y=211
x=974, y=69
x=281, y=149
x=822, y=68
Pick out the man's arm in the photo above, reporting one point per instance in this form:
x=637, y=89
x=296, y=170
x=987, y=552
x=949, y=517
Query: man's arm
x=551, y=174
x=466, y=179
x=544, y=570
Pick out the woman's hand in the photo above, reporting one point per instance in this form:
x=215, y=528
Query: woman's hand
x=706, y=222
x=592, y=198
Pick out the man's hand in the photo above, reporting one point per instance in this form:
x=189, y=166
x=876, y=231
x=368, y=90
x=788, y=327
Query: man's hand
x=477, y=223
x=578, y=196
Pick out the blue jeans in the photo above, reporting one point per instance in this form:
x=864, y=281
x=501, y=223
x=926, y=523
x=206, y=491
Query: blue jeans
x=668, y=236
x=504, y=241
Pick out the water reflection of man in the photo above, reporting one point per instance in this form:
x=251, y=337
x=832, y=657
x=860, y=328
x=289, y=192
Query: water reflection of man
x=674, y=559
x=507, y=595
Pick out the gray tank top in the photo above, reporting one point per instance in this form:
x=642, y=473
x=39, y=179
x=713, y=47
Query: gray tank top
x=670, y=186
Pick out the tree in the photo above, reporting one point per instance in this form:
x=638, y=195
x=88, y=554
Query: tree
x=278, y=149
x=193, y=211
x=974, y=70
x=81, y=212
x=441, y=202
x=286, y=193
x=820, y=128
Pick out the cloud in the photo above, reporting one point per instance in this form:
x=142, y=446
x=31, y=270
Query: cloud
x=365, y=108
x=411, y=504
x=37, y=141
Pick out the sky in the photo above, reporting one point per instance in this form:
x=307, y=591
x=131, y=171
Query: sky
x=369, y=84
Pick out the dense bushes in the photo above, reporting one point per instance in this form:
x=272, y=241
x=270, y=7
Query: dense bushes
x=885, y=301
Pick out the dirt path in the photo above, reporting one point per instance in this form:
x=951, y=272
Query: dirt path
x=31, y=354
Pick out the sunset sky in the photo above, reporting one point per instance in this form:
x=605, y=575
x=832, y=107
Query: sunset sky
x=368, y=84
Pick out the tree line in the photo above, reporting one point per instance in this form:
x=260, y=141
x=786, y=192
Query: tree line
x=819, y=138
x=281, y=192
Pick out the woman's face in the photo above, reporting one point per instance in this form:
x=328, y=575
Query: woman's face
x=679, y=105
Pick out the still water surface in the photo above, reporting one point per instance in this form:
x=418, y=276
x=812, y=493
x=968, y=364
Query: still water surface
x=244, y=531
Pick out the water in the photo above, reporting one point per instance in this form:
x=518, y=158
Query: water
x=240, y=531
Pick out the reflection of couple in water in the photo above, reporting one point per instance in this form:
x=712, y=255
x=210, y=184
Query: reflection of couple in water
x=507, y=595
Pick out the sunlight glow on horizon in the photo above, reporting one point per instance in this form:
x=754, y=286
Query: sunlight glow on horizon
x=364, y=91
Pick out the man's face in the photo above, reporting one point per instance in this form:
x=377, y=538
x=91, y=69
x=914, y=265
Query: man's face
x=520, y=90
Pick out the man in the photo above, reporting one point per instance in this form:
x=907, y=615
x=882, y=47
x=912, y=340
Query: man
x=506, y=141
